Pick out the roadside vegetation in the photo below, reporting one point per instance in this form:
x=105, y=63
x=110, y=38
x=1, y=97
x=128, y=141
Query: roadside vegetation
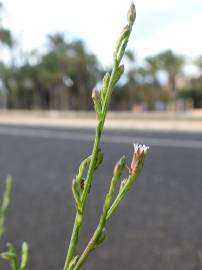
x=84, y=178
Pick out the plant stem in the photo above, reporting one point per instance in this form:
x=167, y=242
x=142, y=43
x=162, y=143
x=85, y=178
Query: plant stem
x=99, y=130
x=94, y=242
x=91, y=245
x=129, y=183
x=114, y=77
x=73, y=240
x=77, y=225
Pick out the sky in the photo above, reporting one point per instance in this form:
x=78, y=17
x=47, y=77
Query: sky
x=160, y=24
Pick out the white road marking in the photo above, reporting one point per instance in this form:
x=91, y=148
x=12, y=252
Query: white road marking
x=75, y=136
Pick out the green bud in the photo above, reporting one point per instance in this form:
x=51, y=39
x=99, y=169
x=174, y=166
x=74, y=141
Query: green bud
x=106, y=79
x=83, y=167
x=75, y=186
x=105, y=83
x=8, y=255
x=125, y=32
x=120, y=71
x=131, y=14
x=123, y=183
x=79, y=218
x=101, y=238
x=95, y=94
x=100, y=156
x=76, y=189
x=97, y=102
x=24, y=256
x=120, y=165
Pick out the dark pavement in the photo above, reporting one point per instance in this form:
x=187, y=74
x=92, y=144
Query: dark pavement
x=157, y=227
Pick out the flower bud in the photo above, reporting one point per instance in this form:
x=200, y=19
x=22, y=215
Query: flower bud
x=131, y=14
x=97, y=102
x=99, y=159
x=123, y=183
x=95, y=94
x=120, y=71
x=120, y=165
x=140, y=152
x=105, y=83
x=76, y=192
x=106, y=80
x=8, y=255
x=24, y=256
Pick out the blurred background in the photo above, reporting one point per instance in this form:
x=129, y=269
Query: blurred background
x=52, y=54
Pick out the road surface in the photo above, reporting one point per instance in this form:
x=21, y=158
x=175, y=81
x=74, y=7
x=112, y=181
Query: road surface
x=157, y=227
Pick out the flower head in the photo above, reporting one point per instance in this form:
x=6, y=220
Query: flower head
x=140, y=151
x=140, y=148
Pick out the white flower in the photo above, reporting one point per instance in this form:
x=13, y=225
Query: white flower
x=141, y=148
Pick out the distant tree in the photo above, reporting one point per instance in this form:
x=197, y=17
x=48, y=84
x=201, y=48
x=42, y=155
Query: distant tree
x=142, y=87
x=85, y=72
x=6, y=40
x=63, y=76
x=193, y=91
x=66, y=74
x=198, y=63
x=5, y=34
x=172, y=64
x=152, y=68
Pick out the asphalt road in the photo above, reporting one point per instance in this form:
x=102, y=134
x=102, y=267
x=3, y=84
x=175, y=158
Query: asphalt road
x=159, y=224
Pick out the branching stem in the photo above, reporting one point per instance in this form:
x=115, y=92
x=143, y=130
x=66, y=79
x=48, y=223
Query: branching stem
x=101, y=107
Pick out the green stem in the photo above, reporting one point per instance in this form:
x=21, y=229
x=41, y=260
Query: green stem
x=91, y=245
x=121, y=194
x=94, y=242
x=99, y=131
x=77, y=225
x=92, y=165
x=115, y=75
x=73, y=240
x=115, y=204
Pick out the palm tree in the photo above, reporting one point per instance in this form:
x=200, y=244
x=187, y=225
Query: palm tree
x=84, y=71
x=68, y=73
x=152, y=65
x=172, y=64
